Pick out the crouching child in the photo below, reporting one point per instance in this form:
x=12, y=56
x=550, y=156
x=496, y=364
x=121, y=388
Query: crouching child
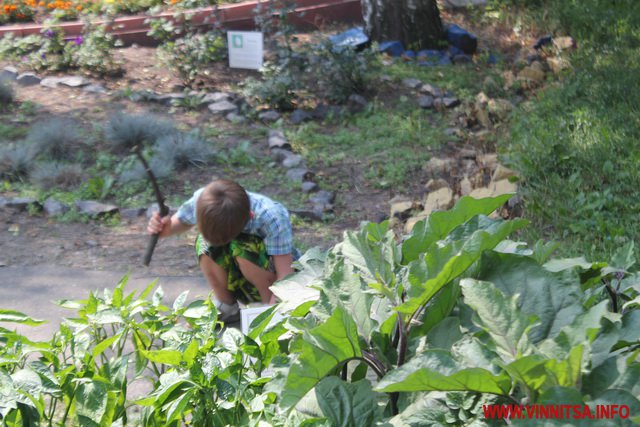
x=244, y=243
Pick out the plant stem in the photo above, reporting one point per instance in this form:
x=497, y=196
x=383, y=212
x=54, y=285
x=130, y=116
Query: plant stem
x=613, y=295
x=374, y=363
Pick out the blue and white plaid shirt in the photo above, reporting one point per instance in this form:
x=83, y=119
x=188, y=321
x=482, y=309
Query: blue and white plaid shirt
x=270, y=222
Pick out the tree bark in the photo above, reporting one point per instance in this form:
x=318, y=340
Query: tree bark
x=415, y=23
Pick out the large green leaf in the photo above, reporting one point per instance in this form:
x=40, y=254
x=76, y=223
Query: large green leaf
x=372, y=251
x=347, y=404
x=614, y=373
x=437, y=370
x=298, y=288
x=500, y=317
x=439, y=224
x=554, y=298
x=323, y=349
x=442, y=264
x=344, y=288
x=91, y=403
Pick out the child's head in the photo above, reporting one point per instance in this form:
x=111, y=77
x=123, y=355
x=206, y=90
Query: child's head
x=223, y=210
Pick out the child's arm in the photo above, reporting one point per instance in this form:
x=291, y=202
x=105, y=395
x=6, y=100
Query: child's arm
x=282, y=265
x=167, y=226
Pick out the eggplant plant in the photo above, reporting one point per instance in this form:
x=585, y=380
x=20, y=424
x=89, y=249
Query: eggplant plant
x=454, y=317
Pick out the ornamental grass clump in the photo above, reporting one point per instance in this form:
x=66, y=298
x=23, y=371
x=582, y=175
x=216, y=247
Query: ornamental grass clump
x=184, y=150
x=64, y=176
x=126, y=131
x=56, y=139
x=16, y=161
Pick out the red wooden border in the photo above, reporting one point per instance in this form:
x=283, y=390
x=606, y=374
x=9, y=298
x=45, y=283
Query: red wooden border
x=132, y=29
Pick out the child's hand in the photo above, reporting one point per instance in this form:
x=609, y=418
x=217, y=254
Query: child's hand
x=156, y=224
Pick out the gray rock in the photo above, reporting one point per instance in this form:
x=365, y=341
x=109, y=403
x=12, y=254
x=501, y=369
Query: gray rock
x=309, y=187
x=132, y=213
x=412, y=83
x=310, y=214
x=269, y=116
x=234, y=117
x=323, y=198
x=212, y=98
x=299, y=174
x=429, y=89
x=19, y=203
x=91, y=243
x=95, y=209
x=222, y=107
x=95, y=89
x=53, y=207
x=50, y=82
x=450, y=102
x=277, y=140
x=28, y=79
x=357, y=103
x=74, y=81
x=322, y=111
x=279, y=154
x=168, y=98
x=292, y=160
x=425, y=101
x=300, y=116
x=9, y=73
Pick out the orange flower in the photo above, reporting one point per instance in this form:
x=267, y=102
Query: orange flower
x=78, y=8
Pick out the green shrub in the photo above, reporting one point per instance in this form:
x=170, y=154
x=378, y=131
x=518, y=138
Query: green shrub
x=56, y=175
x=192, y=54
x=341, y=72
x=277, y=87
x=50, y=50
x=6, y=94
x=57, y=139
x=93, y=51
x=16, y=161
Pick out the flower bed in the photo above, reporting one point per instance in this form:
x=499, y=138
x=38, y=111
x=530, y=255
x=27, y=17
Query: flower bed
x=16, y=11
x=237, y=16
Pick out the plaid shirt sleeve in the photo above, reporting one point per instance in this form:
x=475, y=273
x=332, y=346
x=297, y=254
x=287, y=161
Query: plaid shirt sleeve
x=187, y=211
x=277, y=230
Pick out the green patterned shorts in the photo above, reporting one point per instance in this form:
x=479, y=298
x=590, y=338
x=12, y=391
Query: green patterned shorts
x=245, y=246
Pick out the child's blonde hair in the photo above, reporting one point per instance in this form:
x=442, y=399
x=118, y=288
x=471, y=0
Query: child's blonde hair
x=223, y=210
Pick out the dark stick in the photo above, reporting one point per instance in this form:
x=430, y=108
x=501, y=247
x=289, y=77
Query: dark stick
x=164, y=210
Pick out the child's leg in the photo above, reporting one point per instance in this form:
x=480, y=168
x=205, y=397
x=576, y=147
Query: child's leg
x=260, y=278
x=217, y=279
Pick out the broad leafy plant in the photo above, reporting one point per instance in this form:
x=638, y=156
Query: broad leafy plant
x=454, y=317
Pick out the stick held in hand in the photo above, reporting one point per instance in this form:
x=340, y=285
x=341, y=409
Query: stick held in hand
x=164, y=210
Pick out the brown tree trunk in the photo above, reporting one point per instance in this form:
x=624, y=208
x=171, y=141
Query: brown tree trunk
x=416, y=23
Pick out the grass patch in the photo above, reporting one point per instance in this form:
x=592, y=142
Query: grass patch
x=387, y=143
x=576, y=143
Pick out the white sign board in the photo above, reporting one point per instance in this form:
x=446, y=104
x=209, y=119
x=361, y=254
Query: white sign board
x=248, y=315
x=245, y=49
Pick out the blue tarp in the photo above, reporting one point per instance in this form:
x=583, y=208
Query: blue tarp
x=354, y=37
x=462, y=39
x=392, y=48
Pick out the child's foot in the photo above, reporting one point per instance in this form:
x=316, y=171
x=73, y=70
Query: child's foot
x=228, y=313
